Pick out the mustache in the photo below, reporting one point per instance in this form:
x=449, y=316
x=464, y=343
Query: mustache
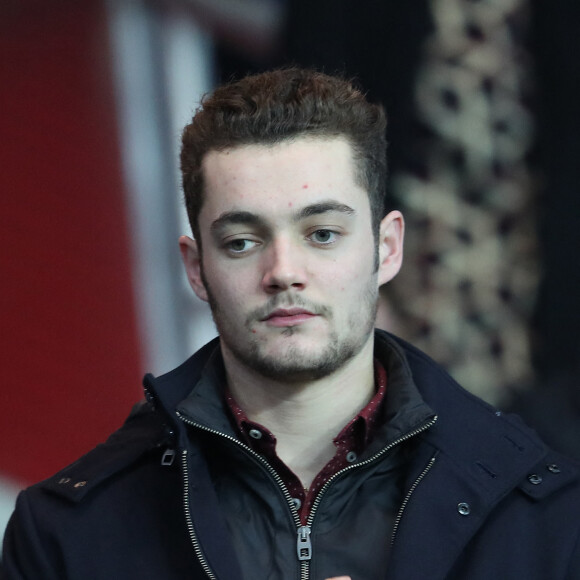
x=282, y=301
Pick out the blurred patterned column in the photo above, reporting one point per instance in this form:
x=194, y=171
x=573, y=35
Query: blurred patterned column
x=466, y=292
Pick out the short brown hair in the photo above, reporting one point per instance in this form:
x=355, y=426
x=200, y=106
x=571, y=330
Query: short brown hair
x=279, y=105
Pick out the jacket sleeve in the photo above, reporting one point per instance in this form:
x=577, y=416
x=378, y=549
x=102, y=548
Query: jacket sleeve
x=26, y=555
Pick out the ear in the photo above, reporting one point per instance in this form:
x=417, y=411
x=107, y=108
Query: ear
x=192, y=261
x=392, y=233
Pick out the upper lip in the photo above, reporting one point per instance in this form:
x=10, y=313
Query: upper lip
x=287, y=312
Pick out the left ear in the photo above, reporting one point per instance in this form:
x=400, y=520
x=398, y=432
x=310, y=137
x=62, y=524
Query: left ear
x=392, y=233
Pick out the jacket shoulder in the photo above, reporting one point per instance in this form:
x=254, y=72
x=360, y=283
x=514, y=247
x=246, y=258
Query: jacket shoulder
x=150, y=426
x=143, y=431
x=496, y=449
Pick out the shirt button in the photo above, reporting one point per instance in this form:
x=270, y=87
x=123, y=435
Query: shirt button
x=351, y=456
x=297, y=503
x=255, y=434
x=534, y=479
x=553, y=468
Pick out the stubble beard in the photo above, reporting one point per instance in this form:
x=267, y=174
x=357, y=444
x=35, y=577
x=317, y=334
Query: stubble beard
x=296, y=364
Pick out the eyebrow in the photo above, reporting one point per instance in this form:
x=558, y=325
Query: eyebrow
x=252, y=219
x=236, y=217
x=323, y=207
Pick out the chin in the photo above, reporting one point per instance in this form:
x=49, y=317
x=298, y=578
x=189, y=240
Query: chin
x=293, y=373
x=297, y=362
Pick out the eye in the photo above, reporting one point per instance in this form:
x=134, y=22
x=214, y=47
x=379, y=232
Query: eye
x=323, y=237
x=240, y=245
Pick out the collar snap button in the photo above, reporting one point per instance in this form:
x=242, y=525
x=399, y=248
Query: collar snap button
x=464, y=508
x=255, y=434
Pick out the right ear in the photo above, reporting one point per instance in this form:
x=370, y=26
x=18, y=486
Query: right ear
x=192, y=261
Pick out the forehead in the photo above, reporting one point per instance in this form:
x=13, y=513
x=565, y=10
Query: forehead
x=264, y=178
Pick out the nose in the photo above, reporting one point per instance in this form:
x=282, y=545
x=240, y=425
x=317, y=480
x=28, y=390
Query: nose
x=284, y=267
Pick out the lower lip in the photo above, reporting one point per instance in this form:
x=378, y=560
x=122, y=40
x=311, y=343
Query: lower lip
x=281, y=321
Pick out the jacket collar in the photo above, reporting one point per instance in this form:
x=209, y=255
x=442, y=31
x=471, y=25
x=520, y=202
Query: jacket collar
x=493, y=450
x=404, y=410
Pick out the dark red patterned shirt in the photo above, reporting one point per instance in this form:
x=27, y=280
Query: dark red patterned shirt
x=350, y=443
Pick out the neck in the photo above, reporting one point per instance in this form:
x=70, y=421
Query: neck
x=304, y=417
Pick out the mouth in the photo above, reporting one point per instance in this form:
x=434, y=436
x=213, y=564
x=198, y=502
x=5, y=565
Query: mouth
x=288, y=317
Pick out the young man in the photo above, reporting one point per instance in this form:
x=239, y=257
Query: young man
x=301, y=443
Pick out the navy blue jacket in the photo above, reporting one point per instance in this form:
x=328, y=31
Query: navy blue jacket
x=484, y=498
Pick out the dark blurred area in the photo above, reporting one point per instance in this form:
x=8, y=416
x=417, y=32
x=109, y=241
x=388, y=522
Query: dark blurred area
x=553, y=404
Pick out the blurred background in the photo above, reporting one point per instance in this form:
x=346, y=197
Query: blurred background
x=484, y=140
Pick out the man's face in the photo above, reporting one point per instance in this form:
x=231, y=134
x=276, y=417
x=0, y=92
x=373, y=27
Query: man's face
x=288, y=263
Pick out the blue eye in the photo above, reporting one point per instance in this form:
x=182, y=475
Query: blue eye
x=240, y=245
x=323, y=236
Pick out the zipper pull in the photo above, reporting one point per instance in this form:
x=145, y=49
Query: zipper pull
x=168, y=457
x=304, y=545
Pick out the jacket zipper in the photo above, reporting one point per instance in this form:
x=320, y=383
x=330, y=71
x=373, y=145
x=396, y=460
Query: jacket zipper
x=408, y=497
x=368, y=461
x=304, y=545
x=189, y=521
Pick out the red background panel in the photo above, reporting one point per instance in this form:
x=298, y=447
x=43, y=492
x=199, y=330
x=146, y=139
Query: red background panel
x=69, y=348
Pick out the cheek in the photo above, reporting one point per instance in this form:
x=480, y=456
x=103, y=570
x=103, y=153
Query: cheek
x=241, y=272
x=228, y=296
x=350, y=277
x=333, y=276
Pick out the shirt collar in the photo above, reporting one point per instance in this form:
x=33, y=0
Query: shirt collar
x=357, y=433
